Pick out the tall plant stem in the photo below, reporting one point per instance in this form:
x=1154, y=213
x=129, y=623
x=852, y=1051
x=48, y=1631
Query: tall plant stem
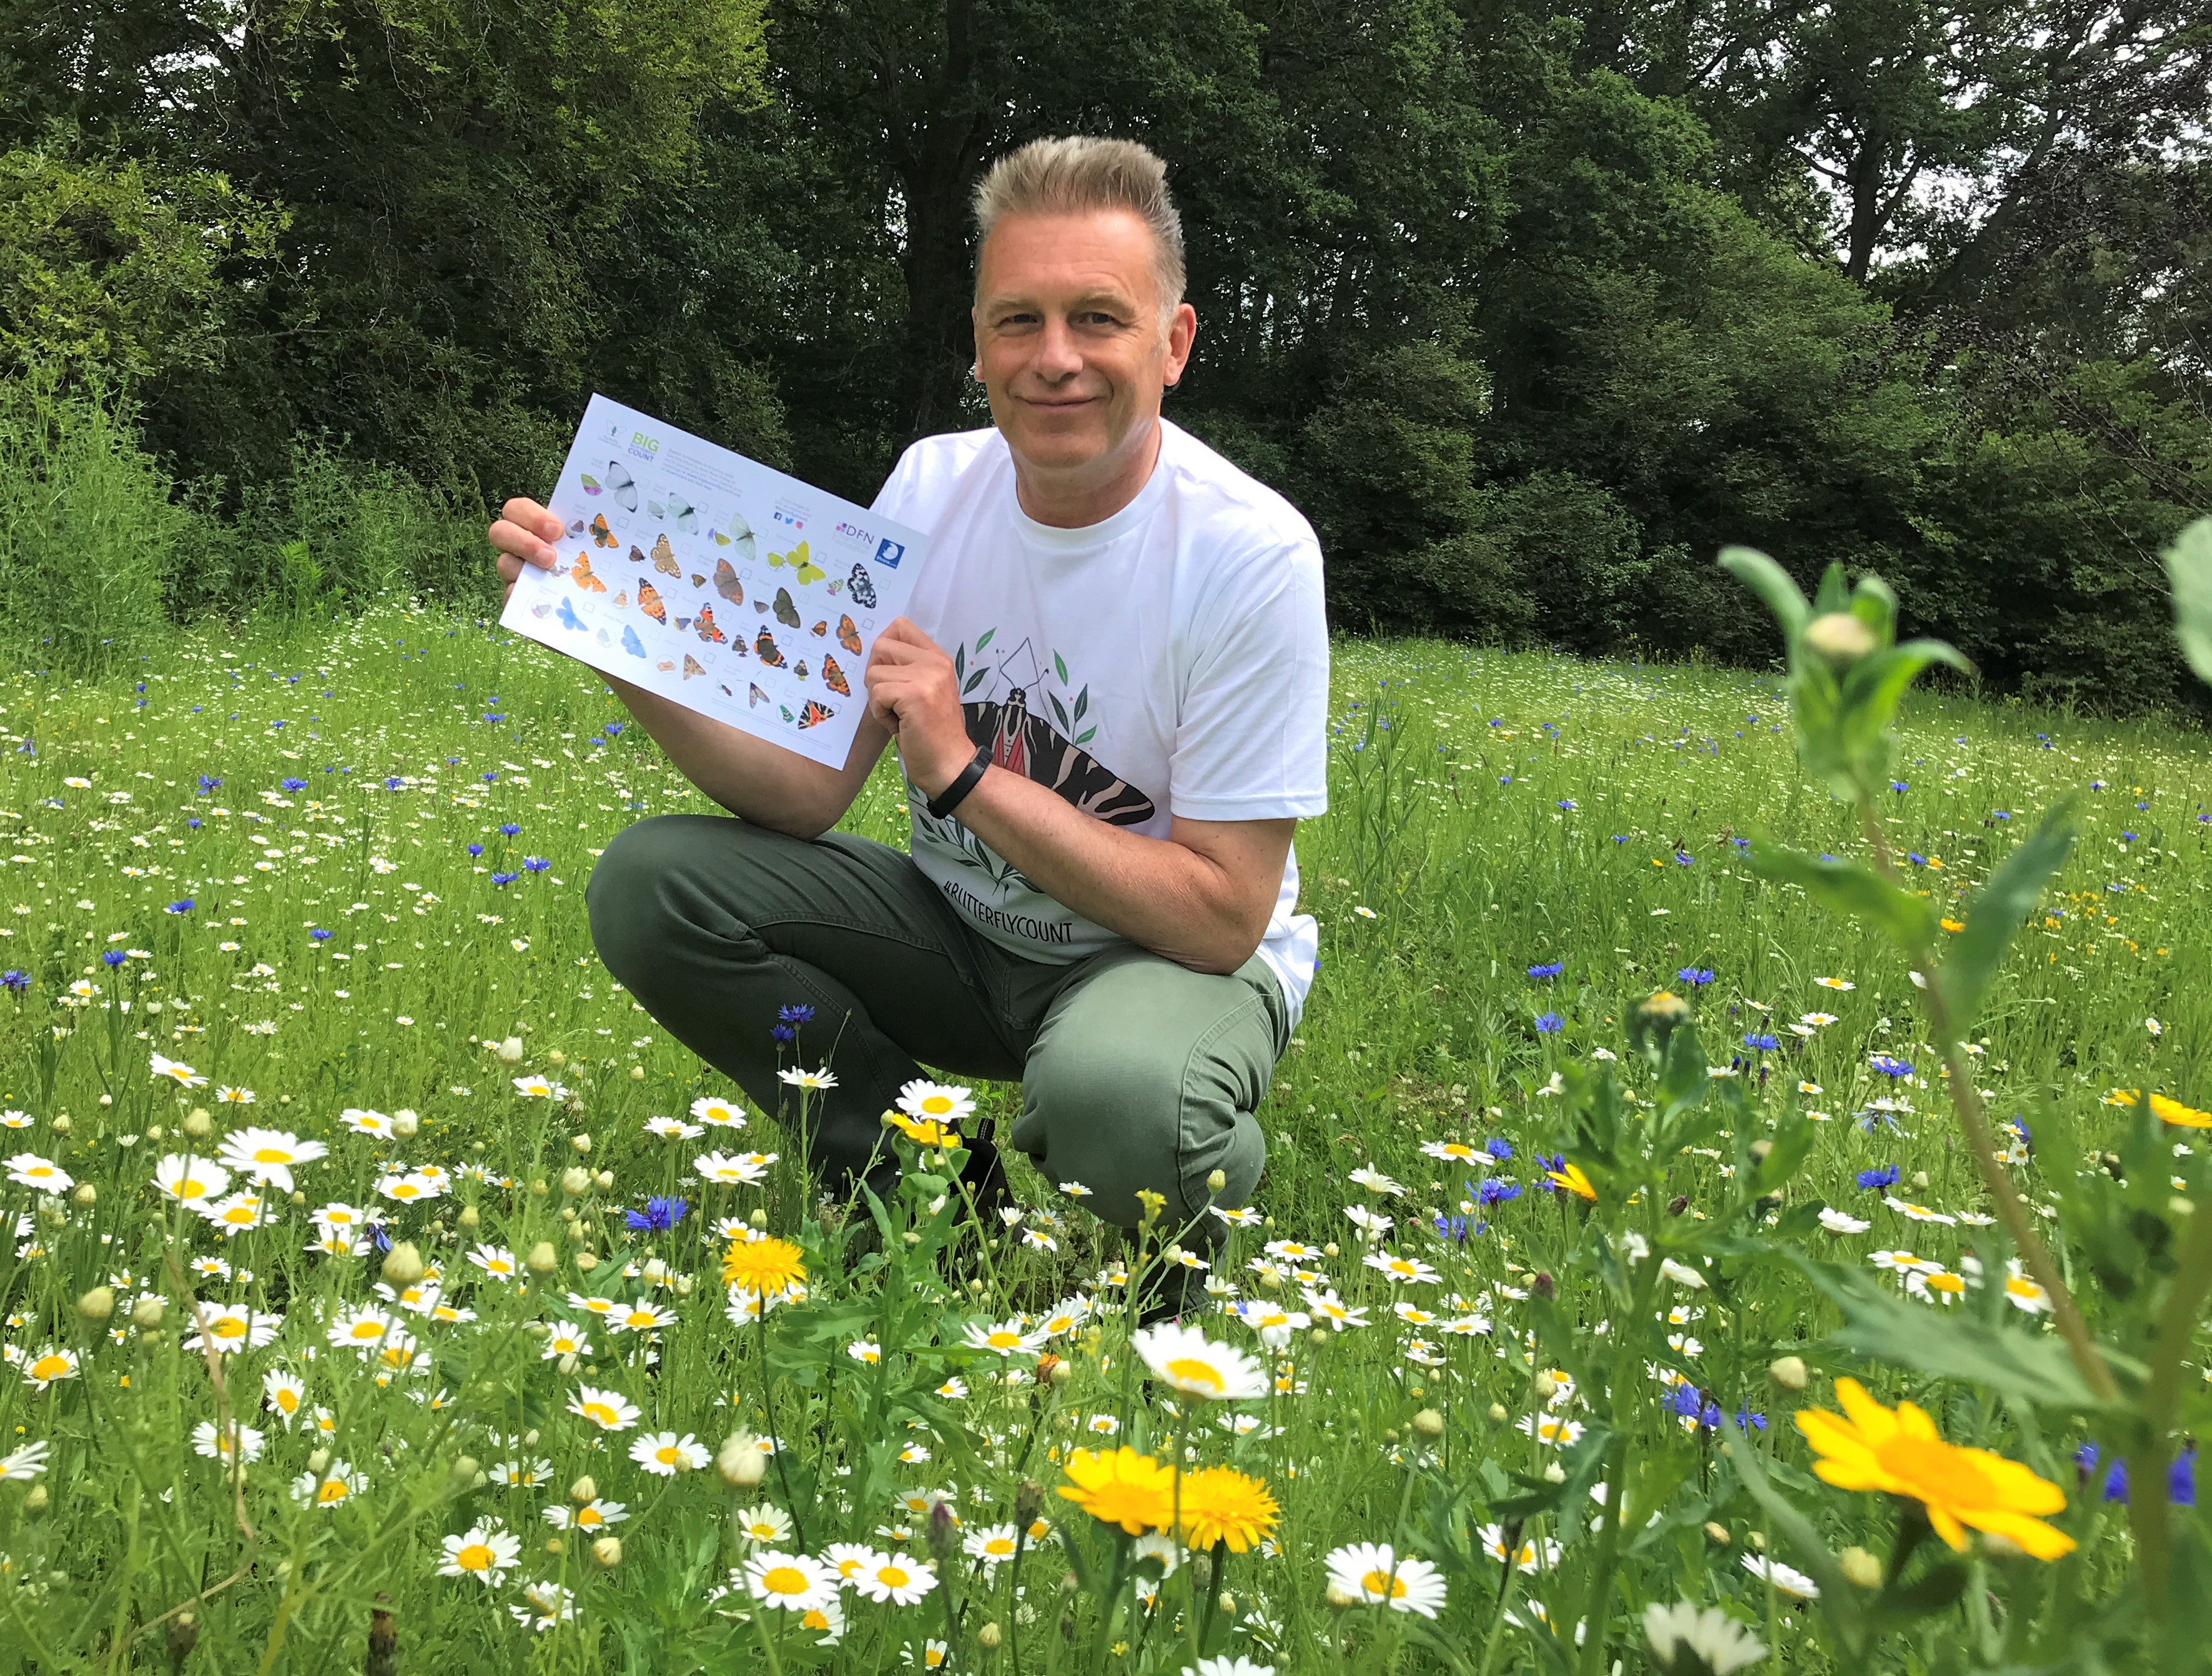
x=2012, y=1211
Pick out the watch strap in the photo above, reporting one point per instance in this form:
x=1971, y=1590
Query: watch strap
x=953, y=795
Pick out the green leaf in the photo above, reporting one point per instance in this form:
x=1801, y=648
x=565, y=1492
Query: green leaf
x=984, y=638
x=1060, y=666
x=974, y=682
x=1996, y=914
x=2026, y=1368
x=1846, y=888
x=1082, y=702
x=1772, y=584
x=1936, y=1590
x=1086, y=736
x=959, y=661
x=1060, y=710
x=2189, y=569
x=1838, y=1600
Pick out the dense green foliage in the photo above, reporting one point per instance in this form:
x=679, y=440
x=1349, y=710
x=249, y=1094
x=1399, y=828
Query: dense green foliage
x=1531, y=311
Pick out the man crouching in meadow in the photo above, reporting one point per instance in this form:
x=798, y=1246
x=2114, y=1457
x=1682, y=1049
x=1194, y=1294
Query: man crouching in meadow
x=1107, y=698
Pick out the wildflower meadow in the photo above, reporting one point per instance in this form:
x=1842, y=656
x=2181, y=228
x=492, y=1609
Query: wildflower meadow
x=1731, y=1204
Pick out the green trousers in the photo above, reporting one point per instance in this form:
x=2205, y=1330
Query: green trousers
x=1136, y=1073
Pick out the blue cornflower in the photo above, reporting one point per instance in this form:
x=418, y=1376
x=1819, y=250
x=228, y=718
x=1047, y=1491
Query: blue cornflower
x=504, y=878
x=1452, y=1228
x=476, y=850
x=2096, y=785
x=795, y=1013
x=1548, y=969
x=1915, y=858
x=659, y=1215
x=508, y=829
x=1885, y=1176
x=1549, y=1024
x=393, y=783
x=1499, y=1147
x=782, y=1033
x=1495, y=1190
x=1686, y=1401
x=1695, y=977
x=2001, y=814
x=194, y=823
x=114, y=957
x=209, y=782
x=1568, y=804
x=2018, y=1124
x=1684, y=858
x=1620, y=838
x=15, y=979
x=1899, y=785
x=2127, y=837
x=292, y=782
x=319, y=936
x=1740, y=842
x=1747, y=1421
x=183, y=904
x=1762, y=1040
x=1889, y=1065
x=494, y=716
x=535, y=863
x=488, y=778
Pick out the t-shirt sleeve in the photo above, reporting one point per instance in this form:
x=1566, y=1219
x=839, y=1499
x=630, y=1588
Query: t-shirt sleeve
x=1250, y=739
x=894, y=498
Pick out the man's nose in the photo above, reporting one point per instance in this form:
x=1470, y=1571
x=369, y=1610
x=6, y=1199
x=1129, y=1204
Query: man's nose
x=1057, y=356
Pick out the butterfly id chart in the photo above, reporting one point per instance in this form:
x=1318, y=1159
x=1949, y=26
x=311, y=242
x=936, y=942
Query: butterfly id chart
x=715, y=581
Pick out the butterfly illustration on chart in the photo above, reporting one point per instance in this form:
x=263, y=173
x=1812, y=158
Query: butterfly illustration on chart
x=664, y=558
x=565, y=615
x=601, y=535
x=738, y=538
x=798, y=670
x=758, y=697
x=833, y=678
x=863, y=587
x=692, y=666
x=707, y=631
x=847, y=636
x=621, y=601
x=615, y=481
x=676, y=511
x=580, y=574
x=648, y=601
x=631, y=643
x=727, y=583
x=813, y=714
x=804, y=568
x=764, y=646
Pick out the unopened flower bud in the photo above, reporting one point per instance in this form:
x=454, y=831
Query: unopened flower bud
x=60, y=1126
x=509, y=1051
x=1555, y=1473
x=541, y=1260
x=586, y=1261
x=465, y=1468
x=403, y=1264
x=605, y=1177
x=35, y=1500
x=576, y=1180
x=1497, y=1414
x=1839, y=639
x=470, y=1216
x=1341, y=1598
x=1543, y=1285
x=1920, y=1181
x=637, y=1073
x=1678, y=1204
x=989, y=1637
x=1788, y=1372
x=1718, y=1533
x=759, y=1218
x=1546, y=1386
x=607, y=1552
x=1654, y=1020
x=557, y=1058
x=581, y=1143
x=1428, y=1423
x=1029, y=1499
x=98, y=1304
x=942, y=1534
x=147, y=1313
x=198, y=1124
x=740, y=1462
x=318, y=1460
x=405, y=1123
x=1860, y=1570
x=1216, y=1180
x=583, y=1490
x=86, y=1193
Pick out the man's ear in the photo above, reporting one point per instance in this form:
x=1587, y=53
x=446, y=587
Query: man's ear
x=1182, y=334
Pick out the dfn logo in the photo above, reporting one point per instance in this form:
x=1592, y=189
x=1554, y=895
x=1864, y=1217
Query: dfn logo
x=638, y=439
x=854, y=533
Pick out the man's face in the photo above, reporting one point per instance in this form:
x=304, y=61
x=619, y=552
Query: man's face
x=1070, y=341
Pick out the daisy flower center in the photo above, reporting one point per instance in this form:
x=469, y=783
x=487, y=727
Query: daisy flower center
x=1382, y=1583
x=784, y=1580
x=477, y=1556
x=1188, y=1370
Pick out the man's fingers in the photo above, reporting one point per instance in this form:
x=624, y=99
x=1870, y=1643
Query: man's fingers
x=510, y=569
x=511, y=538
x=529, y=515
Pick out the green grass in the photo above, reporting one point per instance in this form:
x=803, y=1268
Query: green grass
x=1490, y=813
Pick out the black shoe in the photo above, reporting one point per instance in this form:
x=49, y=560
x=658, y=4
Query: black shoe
x=984, y=1177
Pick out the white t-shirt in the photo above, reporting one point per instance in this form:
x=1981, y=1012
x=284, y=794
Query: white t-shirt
x=1170, y=660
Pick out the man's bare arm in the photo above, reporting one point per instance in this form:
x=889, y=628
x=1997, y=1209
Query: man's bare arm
x=752, y=778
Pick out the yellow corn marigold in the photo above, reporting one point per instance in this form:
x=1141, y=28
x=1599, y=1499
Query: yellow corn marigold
x=768, y=1267
x=1121, y=1487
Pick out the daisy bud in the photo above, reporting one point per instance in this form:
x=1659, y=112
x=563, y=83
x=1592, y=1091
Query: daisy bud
x=1497, y=1414
x=1216, y=1180
x=1759, y=1150
x=557, y=1058
x=199, y=1125
x=1028, y=1499
x=555, y=1545
x=465, y=1468
x=576, y=1180
x=86, y=1193
x=656, y=1270
x=605, y=1177
x=989, y=1637
x=1860, y=1570
x=470, y=1216
x=637, y=1073
x=1757, y=1540
x=1546, y=1386
x=509, y=1051
x=1330, y=1250
x=1341, y=1598
x=1839, y=639
x=183, y=1635
x=98, y=1304
x=891, y=1120
x=403, y=1264
x=586, y=1261
x=759, y=1218
x=317, y=1461
x=740, y=1461
x=607, y=1552
x=1788, y=1372
x=541, y=1260
x=298, y=1198
x=107, y=1099
x=60, y=1126
x=1920, y=1181
x=583, y=1490
x=1428, y=1423
x=1555, y=1473
x=35, y=1499
x=405, y=1123
x=530, y=1438
x=147, y=1313
x=1062, y=1373
x=1718, y=1533
x=1228, y=1604
x=581, y=1143
x=538, y=1188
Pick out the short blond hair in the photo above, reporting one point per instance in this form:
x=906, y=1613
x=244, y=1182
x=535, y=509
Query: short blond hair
x=1081, y=175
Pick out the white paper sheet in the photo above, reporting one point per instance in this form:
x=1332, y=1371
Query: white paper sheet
x=712, y=580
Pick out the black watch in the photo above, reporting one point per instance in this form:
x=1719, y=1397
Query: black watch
x=953, y=795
